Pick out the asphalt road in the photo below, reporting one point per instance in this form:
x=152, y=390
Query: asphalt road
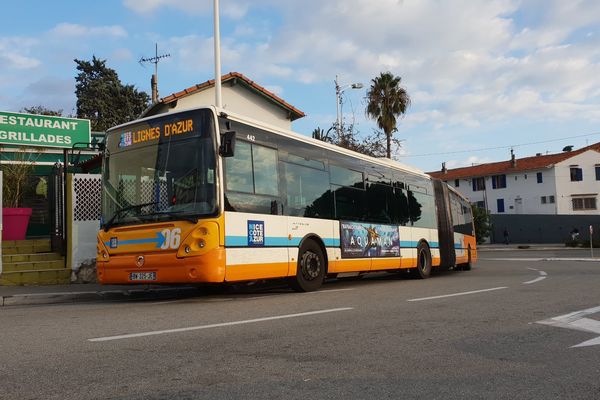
x=380, y=337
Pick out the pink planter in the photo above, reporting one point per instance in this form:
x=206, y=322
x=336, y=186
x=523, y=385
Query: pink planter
x=14, y=223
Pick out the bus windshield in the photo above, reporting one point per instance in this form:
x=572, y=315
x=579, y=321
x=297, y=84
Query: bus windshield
x=159, y=170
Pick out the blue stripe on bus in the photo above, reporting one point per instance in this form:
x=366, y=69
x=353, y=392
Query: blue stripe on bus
x=271, y=241
x=242, y=241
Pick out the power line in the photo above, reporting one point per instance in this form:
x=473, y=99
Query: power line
x=499, y=147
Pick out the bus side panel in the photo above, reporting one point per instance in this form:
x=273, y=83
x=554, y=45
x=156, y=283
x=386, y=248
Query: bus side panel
x=462, y=244
x=257, y=246
x=408, y=248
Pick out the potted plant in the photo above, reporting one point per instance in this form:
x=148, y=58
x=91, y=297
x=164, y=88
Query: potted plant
x=15, y=180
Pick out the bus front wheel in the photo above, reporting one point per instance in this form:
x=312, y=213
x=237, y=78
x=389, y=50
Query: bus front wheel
x=311, y=268
x=423, y=269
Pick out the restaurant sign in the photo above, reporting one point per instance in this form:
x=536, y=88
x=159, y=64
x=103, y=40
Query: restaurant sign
x=42, y=130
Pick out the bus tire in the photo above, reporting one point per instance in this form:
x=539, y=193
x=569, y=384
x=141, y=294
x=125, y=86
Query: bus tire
x=311, y=267
x=468, y=265
x=423, y=269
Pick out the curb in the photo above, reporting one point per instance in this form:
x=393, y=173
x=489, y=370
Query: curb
x=67, y=297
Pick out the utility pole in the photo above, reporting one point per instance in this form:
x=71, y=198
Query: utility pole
x=154, y=81
x=218, y=98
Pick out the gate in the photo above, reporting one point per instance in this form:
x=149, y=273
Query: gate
x=56, y=193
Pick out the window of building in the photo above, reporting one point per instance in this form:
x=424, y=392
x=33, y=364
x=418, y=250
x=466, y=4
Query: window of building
x=540, y=178
x=478, y=184
x=498, y=181
x=457, y=182
x=551, y=199
x=544, y=200
x=480, y=204
x=576, y=174
x=598, y=172
x=500, y=205
x=584, y=203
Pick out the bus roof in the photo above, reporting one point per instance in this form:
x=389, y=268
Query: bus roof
x=297, y=136
x=291, y=134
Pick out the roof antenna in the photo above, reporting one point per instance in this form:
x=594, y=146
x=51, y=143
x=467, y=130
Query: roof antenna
x=154, y=81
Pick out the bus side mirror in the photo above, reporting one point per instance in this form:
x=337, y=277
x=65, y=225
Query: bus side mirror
x=227, y=144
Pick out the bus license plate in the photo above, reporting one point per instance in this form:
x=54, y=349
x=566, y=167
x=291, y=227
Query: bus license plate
x=142, y=276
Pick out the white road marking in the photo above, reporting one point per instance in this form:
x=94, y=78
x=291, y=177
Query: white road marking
x=543, y=275
x=459, y=294
x=195, y=328
x=577, y=320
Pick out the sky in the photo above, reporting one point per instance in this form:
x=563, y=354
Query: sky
x=484, y=76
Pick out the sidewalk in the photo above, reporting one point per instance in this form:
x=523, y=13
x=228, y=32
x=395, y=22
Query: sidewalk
x=29, y=295
x=526, y=246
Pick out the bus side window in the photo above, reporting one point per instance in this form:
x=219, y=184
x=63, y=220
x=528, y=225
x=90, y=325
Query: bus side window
x=251, y=178
x=308, y=193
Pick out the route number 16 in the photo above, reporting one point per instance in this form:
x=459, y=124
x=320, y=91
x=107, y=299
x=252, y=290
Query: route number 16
x=172, y=238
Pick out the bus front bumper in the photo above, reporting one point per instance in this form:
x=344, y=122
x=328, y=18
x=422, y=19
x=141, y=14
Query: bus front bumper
x=162, y=268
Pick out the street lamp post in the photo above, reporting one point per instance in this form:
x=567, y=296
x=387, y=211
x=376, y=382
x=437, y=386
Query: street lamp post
x=338, y=99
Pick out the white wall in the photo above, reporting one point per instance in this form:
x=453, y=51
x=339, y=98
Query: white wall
x=239, y=100
x=520, y=185
x=589, y=185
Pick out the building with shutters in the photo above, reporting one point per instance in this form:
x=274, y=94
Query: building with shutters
x=566, y=183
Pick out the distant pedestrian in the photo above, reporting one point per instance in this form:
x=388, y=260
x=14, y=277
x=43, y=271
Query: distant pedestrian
x=505, y=233
x=574, y=234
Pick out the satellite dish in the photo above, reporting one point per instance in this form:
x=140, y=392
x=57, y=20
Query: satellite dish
x=568, y=148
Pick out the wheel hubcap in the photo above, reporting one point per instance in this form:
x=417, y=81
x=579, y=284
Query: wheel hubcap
x=310, y=265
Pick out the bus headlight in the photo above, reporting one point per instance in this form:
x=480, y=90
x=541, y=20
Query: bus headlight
x=201, y=240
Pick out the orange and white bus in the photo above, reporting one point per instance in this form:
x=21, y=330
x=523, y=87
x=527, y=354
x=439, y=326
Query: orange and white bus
x=205, y=195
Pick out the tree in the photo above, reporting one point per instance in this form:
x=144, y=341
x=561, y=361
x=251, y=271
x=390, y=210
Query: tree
x=103, y=99
x=387, y=101
x=481, y=220
x=41, y=110
x=16, y=175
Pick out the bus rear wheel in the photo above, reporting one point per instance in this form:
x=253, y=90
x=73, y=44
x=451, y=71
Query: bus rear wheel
x=466, y=266
x=423, y=269
x=310, y=270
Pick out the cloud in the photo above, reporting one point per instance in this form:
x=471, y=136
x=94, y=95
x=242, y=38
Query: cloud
x=231, y=9
x=75, y=30
x=14, y=53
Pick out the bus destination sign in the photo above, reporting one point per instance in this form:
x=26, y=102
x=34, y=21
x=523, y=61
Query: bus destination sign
x=149, y=134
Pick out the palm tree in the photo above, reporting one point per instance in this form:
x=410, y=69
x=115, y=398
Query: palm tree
x=387, y=101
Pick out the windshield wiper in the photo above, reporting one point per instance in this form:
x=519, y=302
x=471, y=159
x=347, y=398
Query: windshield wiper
x=122, y=210
x=190, y=218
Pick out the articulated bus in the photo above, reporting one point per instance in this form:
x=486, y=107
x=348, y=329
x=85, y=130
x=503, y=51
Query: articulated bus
x=207, y=196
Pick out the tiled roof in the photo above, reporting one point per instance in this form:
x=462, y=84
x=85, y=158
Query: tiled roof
x=505, y=167
x=294, y=112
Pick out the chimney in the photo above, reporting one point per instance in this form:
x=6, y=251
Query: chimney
x=444, y=169
x=513, y=160
x=154, y=85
